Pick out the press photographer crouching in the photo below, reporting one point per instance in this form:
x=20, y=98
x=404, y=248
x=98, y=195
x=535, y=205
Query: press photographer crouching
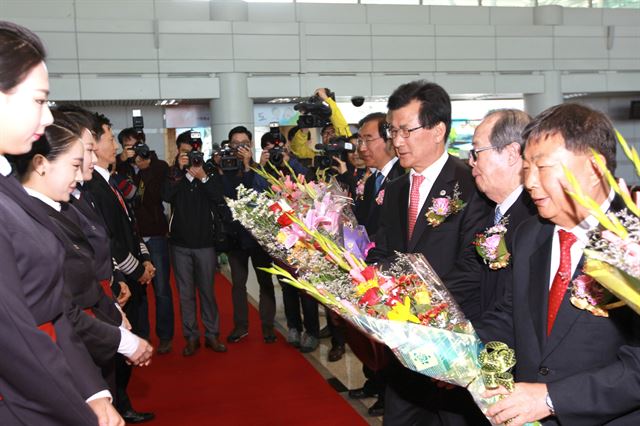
x=234, y=165
x=194, y=190
x=138, y=163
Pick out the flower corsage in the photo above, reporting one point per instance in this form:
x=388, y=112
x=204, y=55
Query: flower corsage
x=492, y=247
x=443, y=207
x=380, y=197
x=587, y=294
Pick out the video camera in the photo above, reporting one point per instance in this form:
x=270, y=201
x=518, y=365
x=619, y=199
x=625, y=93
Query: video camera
x=337, y=147
x=140, y=148
x=314, y=112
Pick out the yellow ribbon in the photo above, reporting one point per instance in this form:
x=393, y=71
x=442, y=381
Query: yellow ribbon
x=496, y=362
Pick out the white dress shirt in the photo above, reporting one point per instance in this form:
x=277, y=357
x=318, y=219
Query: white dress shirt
x=430, y=175
x=581, y=231
x=5, y=167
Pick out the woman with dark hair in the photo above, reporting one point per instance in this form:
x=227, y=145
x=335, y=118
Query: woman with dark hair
x=38, y=343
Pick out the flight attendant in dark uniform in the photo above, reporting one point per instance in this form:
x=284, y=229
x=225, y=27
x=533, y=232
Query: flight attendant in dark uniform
x=94, y=315
x=39, y=345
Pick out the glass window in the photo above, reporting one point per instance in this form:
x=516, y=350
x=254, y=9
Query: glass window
x=327, y=1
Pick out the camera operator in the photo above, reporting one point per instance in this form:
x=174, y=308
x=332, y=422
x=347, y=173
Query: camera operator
x=234, y=174
x=193, y=195
x=147, y=173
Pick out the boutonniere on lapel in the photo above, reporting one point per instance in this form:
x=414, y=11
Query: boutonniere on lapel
x=492, y=247
x=587, y=294
x=380, y=197
x=360, y=185
x=444, y=206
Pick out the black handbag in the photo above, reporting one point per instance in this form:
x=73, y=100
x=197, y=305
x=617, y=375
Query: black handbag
x=225, y=237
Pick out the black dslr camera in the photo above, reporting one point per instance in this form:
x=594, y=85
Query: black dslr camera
x=140, y=148
x=276, y=154
x=337, y=147
x=196, y=157
x=229, y=161
x=314, y=112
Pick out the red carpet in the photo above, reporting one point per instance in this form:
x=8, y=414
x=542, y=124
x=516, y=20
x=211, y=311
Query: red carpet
x=252, y=384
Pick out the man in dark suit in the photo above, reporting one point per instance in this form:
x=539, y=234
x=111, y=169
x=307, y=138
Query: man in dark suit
x=573, y=368
x=377, y=153
x=496, y=161
x=418, y=123
x=127, y=249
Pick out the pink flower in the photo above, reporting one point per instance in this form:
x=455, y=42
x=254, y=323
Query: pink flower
x=380, y=197
x=441, y=206
x=610, y=236
x=492, y=242
x=633, y=251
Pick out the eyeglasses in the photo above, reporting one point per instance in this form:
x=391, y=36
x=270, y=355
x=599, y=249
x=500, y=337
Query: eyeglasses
x=393, y=133
x=367, y=141
x=474, y=152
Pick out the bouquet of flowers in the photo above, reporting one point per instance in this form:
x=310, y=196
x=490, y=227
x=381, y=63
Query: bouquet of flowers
x=404, y=305
x=613, y=251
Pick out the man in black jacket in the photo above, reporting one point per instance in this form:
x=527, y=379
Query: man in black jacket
x=193, y=196
x=148, y=174
x=127, y=249
x=418, y=123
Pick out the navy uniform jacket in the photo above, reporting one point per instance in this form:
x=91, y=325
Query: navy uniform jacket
x=590, y=364
x=37, y=385
x=99, y=333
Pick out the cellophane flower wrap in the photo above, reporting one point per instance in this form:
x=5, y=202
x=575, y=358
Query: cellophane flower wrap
x=403, y=305
x=613, y=251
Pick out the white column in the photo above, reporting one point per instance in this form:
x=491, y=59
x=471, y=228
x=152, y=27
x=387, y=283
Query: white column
x=233, y=108
x=535, y=103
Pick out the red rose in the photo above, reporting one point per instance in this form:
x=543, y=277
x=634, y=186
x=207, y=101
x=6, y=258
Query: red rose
x=285, y=219
x=369, y=273
x=371, y=297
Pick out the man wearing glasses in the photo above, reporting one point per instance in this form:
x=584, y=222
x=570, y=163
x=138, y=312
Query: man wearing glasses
x=418, y=124
x=496, y=161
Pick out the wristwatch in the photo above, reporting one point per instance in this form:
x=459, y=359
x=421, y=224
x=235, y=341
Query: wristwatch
x=549, y=403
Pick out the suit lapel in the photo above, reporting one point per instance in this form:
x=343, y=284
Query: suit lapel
x=538, y=281
x=444, y=182
x=403, y=207
x=567, y=316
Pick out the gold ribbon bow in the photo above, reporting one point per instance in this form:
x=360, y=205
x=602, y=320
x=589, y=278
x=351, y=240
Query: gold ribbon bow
x=496, y=362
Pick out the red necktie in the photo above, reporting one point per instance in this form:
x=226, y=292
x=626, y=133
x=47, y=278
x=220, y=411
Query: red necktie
x=414, y=201
x=562, y=278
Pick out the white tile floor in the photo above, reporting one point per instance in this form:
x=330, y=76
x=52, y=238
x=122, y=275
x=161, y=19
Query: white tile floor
x=348, y=370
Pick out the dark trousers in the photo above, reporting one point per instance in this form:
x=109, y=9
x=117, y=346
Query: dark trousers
x=239, y=264
x=159, y=252
x=293, y=299
x=335, y=327
x=123, y=371
x=194, y=270
x=375, y=382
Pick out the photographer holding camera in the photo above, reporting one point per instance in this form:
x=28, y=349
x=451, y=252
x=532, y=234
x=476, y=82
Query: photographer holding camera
x=147, y=172
x=234, y=173
x=194, y=194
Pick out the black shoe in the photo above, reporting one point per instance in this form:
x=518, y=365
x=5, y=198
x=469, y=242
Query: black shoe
x=132, y=416
x=361, y=393
x=191, y=348
x=336, y=353
x=214, y=344
x=164, y=347
x=237, y=334
x=269, y=335
x=325, y=332
x=377, y=409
